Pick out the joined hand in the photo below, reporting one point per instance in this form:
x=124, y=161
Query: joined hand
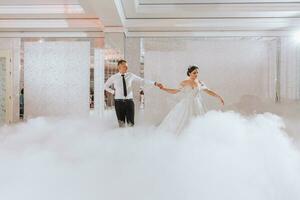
x=159, y=85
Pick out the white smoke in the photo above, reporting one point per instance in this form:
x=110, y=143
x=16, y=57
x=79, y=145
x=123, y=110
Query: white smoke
x=221, y=155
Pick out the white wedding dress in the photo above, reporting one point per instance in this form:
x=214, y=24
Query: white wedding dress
x=190, y=106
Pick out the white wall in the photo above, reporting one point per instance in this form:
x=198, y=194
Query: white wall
x=242, y=70
x=56, y=78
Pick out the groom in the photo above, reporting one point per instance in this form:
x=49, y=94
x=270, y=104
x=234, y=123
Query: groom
x=122, y=92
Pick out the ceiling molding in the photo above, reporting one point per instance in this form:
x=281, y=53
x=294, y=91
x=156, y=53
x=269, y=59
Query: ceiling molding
x=106, y=10
x=48, y=16
x=44, y=12
x=210, y=34
x=259, y=24
x=111, y=29
x=121, y=11
x=42, y=9
x=52, y=34
x=134, y=11
x=38, y=2
x=51, y=24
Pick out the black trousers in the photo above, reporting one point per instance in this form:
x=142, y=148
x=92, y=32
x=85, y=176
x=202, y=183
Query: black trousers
x=125, y=111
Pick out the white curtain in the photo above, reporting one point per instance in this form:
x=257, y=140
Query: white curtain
x=99, y=81
x=56, y=78
x=290, y=70
x=2, y=90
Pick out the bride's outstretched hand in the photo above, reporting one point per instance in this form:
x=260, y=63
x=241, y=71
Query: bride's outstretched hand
x=222, y=101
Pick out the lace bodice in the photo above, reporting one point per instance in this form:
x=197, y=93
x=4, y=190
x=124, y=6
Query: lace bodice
x=189, y=91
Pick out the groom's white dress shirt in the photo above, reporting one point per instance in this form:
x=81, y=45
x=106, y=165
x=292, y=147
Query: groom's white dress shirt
x=117, y=81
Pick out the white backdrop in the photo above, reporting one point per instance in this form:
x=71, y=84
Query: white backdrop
x=242, y=70
x=56, y=78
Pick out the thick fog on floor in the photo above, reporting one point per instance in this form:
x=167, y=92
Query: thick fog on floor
x=249, y=153
x=221, y=155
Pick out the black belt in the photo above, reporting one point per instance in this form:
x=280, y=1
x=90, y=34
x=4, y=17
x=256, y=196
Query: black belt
x=123, y=100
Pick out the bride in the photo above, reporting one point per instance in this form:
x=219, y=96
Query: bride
x=190, y=106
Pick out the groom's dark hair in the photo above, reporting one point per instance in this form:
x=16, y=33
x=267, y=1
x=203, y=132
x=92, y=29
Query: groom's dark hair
x=120, y=62
x=191, y=68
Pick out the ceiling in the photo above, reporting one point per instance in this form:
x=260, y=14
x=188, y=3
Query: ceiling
x=210, y=15
x=142, y=17
x=46, y=15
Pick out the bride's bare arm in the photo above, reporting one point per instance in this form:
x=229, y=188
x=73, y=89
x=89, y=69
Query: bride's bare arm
x=173, y=91
x=212, y=93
